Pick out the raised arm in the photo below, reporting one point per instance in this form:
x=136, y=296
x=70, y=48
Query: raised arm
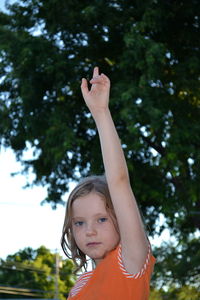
x=133, y=238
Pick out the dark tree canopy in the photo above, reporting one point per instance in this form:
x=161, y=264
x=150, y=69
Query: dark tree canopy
x=151, y=51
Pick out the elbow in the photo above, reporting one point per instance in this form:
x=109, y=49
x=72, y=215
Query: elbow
x=119, y=178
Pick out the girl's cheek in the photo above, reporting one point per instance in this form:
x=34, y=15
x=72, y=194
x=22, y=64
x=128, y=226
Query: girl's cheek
x=77, y=230
x=74, y=231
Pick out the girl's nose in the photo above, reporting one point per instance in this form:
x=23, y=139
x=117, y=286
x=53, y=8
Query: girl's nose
x=90, y=230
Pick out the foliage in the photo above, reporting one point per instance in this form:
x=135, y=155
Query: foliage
x=33, y=273
x=150, y=49
x=183, y=293
x=177, y=265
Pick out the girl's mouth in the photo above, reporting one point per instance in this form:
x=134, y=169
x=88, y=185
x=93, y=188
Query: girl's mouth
x=93, y=244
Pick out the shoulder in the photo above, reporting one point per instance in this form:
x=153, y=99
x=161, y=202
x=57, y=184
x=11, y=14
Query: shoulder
x=80, y=283
x=147, y=267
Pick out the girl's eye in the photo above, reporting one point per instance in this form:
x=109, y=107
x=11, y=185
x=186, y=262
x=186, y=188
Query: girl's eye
x=102, y=220
x=78, y=223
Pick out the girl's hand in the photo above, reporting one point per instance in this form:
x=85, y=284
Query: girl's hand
x=97, y=98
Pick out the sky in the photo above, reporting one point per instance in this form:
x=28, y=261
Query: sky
x=23, y=221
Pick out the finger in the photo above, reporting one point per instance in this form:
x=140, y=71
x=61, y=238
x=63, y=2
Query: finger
x=105, y=78
x=102, y=79
x=97, y=79
x=84, y=86
x=95, y=72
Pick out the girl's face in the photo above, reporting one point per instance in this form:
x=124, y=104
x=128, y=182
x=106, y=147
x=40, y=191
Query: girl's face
x=93, y=227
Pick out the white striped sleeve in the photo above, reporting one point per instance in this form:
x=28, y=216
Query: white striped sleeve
x=123, y=269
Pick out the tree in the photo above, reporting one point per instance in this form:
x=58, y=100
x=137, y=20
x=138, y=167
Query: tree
x=183, y=293
x=150, y=50
x=33, y=273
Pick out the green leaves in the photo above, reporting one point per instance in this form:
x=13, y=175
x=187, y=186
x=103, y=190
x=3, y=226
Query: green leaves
x=33, y=273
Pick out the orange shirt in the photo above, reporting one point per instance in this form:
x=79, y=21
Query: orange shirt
x=110, y=280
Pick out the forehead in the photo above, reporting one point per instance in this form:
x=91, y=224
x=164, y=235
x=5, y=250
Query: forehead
x=88, y=205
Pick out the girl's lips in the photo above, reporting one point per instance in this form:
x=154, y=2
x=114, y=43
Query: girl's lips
x=93, y=244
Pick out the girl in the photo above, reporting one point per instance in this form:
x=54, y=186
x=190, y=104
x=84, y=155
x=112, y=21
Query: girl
x=102, y=218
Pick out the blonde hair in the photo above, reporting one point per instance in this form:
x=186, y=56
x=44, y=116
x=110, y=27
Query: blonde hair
x=97, y=184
